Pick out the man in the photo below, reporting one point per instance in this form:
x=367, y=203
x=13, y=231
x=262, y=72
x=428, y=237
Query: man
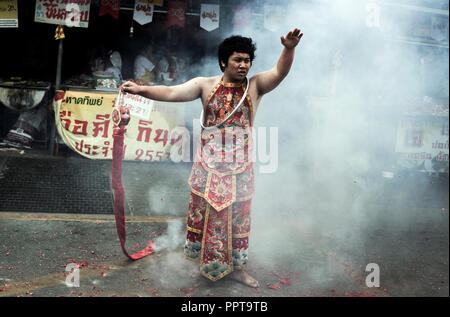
x=218, y=223
x=144, y=65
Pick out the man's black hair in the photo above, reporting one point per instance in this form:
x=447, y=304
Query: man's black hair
x=238, y=44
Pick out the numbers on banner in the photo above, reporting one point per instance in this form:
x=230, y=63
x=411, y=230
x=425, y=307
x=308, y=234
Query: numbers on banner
x=150, y=155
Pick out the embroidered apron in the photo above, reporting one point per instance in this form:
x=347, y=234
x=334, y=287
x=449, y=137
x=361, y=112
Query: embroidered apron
x=222, y=185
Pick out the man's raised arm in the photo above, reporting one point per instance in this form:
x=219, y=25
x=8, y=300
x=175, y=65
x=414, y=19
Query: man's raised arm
x=268, y=80
x=187, y=91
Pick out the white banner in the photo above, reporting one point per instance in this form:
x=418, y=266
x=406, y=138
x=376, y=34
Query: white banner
x=64, y=12
x=209, y=16
x=143, y=12
x=273, y=17
x=139, y=106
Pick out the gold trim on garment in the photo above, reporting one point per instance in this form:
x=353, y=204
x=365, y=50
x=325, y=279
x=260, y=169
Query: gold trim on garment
x=197, y=260
x=232, y=84
x=241, y=235
x=205, y=225
x=193, y=230
x=230, y=247
x=213, y=91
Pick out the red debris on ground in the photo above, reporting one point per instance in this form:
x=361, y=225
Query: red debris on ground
x=80, y=264
x=275, y=287
x=285, y=281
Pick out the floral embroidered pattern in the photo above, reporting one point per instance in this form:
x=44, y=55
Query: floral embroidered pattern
x=222, y=244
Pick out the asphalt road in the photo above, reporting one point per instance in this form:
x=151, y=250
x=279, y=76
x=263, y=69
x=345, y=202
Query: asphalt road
x=321, y=250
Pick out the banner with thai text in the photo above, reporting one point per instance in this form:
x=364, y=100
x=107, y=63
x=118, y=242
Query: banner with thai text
x=72, y=13
x=422, y=142
x=83, y=120
x=209, y=16
x=9, y=14
x=143, y=12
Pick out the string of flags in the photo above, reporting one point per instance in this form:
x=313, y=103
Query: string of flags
x=76, y=14
x=209, y=14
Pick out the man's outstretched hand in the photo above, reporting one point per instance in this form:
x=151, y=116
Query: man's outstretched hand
x=130, y=87
x=292, y=38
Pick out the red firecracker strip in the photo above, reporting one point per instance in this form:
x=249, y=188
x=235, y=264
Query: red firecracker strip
x=118, y=135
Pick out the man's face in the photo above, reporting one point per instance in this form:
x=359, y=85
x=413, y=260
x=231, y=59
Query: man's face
x=238, y=66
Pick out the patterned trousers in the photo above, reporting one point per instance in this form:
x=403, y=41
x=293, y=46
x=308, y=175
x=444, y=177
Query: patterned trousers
x=217, y=239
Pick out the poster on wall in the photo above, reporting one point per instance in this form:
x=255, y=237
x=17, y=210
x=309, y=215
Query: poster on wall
x=84, y=122
x=71, y=13
x=9, y=14
x=422, y=143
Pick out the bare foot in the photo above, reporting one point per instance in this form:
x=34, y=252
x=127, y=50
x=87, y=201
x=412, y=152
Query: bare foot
x=244, y=278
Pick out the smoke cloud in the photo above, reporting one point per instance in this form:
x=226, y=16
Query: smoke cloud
x=337, y=114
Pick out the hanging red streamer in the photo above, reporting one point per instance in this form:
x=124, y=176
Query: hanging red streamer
x=176, y=13
x=117, y=157
x=111, y=7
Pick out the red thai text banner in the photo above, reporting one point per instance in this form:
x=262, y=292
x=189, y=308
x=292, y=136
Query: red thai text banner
x=83, y=121
x=72, y=13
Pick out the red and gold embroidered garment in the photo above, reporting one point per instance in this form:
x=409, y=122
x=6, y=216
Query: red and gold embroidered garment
x=222, y=185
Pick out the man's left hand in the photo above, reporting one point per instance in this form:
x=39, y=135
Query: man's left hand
x=292, y=38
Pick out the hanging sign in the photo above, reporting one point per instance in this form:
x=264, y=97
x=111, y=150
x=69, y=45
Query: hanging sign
x=64, y=12
x=8, y=14
x=143, y=12
x=111, y=7
x=176, y=13
x=209, y=16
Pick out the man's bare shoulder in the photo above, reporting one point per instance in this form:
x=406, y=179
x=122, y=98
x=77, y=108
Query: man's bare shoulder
x=207, y=81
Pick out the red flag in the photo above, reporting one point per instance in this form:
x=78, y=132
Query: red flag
x=242, y=18
x=176, y=13
x=111, y=7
